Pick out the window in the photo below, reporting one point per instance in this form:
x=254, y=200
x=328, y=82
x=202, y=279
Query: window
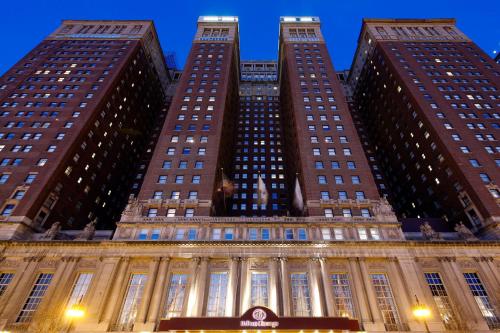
x=179, y=179
x=5, y=279
x=338, y=233
x=443, y=302
x=132, y=300
x=18, y=195
x=326, y=234
x=325, y=195
x=322, y=180
x=80, y=289
x=175, y=295
x=171, y=212
x=35, y=297
x=216, y=233
x=385, y=302
x=259, y=289
x=474, y=163
x=301, y=300
x=152, y=212
x=483, y=300
x=216, y=304
x=162, y=179
x=196, y=179
x=343, y=295
x=189, y=212
x=4, y=177
x=328, y=212
x=365, y=212
x=362, y=234
x=7, y=210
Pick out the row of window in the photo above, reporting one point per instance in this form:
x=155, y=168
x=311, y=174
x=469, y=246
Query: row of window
x=179, y=283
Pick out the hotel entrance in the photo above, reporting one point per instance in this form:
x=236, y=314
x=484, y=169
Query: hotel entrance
x=261, y=320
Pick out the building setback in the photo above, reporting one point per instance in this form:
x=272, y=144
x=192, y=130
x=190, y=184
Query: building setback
x=431, y=97
x=199, y=249
x=75, y=113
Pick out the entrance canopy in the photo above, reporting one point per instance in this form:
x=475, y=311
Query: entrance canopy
x=261, y=319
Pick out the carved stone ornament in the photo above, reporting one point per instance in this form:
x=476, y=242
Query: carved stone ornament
x=383, y=208
x=52, y=232
x=464, y=232
x=428, y=232
x=87, y=232
x=133, y=208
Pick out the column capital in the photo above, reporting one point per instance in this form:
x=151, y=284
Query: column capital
x=447, y=259
x=316, y=259
x=483, y=259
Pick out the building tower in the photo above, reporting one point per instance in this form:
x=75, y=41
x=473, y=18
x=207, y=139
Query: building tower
x=259, y=143
x=429, y=95
x=195, y=145
x=323, y=148
x=75, y=113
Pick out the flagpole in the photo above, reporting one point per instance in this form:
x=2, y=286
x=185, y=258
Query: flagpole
x=222, y=189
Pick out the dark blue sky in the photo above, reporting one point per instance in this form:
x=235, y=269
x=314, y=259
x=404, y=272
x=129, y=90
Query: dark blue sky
x=26, y=23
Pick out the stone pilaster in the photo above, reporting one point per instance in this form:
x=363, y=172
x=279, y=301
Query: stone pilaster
x=285, y=287
x=232, y=287
x=158, y=292
x=331, y=311
x=140, y=319
x=317, y=294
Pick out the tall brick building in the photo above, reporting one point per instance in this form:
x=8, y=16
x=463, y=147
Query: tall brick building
x=257, y=209
x=75, y=113
x=431, y=97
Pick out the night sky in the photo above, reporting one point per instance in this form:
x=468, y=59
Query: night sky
x=25, y=23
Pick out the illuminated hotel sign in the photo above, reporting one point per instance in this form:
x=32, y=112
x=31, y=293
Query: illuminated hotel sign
x=259, y=318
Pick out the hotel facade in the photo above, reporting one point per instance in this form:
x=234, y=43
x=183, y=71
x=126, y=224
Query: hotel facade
x=254, y=203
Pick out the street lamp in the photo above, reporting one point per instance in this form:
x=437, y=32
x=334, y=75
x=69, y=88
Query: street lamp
x=422, y=312
x=75, y=311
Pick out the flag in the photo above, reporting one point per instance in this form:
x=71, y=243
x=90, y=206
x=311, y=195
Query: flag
x=227, y=186
x=298, y=201
x=262, y=194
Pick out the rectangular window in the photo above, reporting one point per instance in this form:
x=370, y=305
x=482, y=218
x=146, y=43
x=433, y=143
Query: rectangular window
x=216, y=304
x=5, y=279
x=343, y=295
x=35, y=297
x=80, y=289
x=175, y=296
x=443, y=302
x=386, y=303
x=483, y=300
x=131, y=302
x=259, y=289
x=301, y=300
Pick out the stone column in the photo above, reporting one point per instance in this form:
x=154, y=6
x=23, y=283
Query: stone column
x=67, y=279
x=158, y=291
x=317, y=294
x=489, y=276
x=285, y=287
x=470, y=312
x=148, y=291
x=400, y=293
x=414, y=282
x=490, y=263
x=232, y=287
x=18, y=286
x=113, y=299
x=245, y=285
x=201, y=285
x=377, y=323
x=331, y=311
x=194, y=268
x=274, y=285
